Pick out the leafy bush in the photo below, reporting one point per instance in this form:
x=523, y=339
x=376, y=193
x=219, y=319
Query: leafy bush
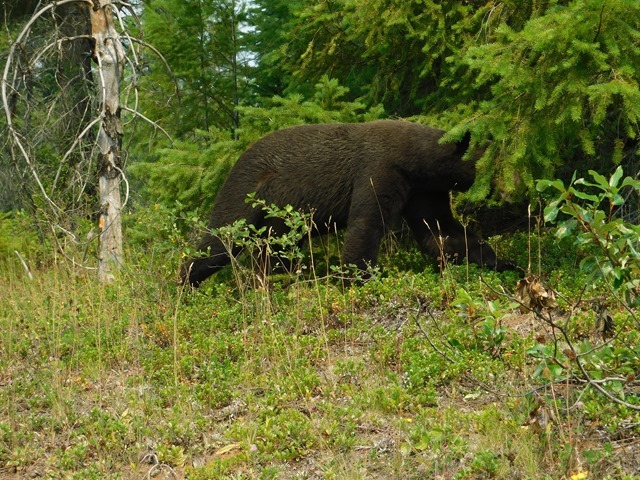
x=587, y=211
x=589, y=215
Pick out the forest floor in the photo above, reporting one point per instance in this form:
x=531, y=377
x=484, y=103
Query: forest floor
x=415, y=374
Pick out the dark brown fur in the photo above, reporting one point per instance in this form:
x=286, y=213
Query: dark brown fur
x=363, y=177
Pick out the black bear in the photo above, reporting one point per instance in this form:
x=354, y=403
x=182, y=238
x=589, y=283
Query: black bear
x=364, y=177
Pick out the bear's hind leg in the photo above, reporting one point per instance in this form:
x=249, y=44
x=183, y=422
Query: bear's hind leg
x=438, y=233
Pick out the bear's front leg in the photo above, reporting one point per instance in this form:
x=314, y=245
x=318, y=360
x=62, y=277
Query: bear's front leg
x=438, y=233
x=376, y=206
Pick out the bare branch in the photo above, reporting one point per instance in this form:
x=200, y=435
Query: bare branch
x=63, y=113
x=24, y=264
x=14, y=135
x=148, y=120
x=166, y=64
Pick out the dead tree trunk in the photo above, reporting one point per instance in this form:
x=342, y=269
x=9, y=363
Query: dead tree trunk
x=109, y=54
x=77, y=105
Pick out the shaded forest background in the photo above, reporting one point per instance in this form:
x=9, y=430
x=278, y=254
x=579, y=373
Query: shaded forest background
x=547, y=87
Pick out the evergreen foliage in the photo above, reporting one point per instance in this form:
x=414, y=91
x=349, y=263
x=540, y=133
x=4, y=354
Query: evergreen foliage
x=202, y=43
x=189, y=174
x=270, y=21
x=548, y=86
x=398, y=53
x=558, y=95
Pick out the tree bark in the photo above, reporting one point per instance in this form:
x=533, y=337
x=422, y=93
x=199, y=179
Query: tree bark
x=109, y=54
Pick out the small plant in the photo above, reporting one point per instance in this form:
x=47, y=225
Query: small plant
x=285, y=245
x=589, y=214
x=171, y=454
x=486, y=317
x=288, y=435
x=267, y=248
x=485, y=464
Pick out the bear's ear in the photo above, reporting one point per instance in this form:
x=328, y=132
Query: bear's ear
x=463, y=145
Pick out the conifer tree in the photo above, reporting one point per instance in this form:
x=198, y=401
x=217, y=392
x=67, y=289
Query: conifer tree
x=202, y=43
x=559, y=95
x=399, y=53
x=548, y=86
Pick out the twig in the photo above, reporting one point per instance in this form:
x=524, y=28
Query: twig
x=24, y=264
x=160, y=468
x=148, y=120
x=166, y=64
x=588, y=381
x=424, y=332
x=599, y=23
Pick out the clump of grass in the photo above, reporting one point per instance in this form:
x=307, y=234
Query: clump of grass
x=416, y=374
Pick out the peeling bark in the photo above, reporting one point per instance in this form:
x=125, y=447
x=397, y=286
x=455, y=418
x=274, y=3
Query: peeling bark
x=109, y=54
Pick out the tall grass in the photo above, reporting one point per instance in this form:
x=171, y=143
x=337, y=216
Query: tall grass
x=283, y=377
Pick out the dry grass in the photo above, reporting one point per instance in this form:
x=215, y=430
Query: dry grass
x=134, y=380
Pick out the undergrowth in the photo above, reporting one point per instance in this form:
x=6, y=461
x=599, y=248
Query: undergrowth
x=415, y=373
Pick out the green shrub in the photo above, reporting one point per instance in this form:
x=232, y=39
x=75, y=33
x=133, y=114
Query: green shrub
x=587, y=211
x=589, y=214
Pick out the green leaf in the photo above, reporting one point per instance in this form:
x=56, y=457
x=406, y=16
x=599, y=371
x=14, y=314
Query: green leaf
x=631, y=182
x=537, y=351
x=551, y=212
x=543, y=184
x=617, y=200
x=601, y=181
x=586, y=196
x=614, y=180
x=555, y=370
x=566, y=228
